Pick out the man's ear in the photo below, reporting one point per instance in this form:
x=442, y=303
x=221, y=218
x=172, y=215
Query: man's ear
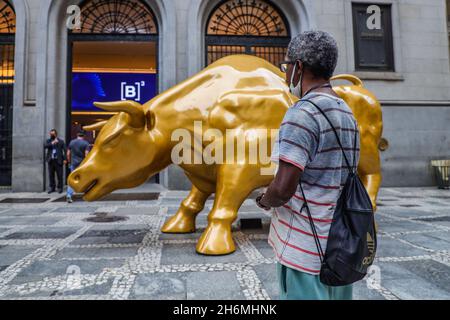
x=296, y=71
x=299, y=66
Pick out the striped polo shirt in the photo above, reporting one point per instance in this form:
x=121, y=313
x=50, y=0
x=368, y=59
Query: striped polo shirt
x=307, y=141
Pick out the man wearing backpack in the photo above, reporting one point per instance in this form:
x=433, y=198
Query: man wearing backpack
x=307, y=150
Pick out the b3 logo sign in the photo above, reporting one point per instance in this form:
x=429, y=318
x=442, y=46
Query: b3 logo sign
x=131, y=91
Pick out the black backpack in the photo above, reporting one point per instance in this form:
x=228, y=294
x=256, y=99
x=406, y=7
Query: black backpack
x=352, y=241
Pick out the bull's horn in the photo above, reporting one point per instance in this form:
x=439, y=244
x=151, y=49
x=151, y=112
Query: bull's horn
x=349, y=77
x=95, y=126
x=133, y=108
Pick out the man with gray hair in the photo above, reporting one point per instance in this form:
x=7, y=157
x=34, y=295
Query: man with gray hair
x=308, y=151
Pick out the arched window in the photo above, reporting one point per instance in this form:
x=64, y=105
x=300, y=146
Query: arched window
x=7, y=31
x=7, y=18
x=254, y=27
x=117, y=17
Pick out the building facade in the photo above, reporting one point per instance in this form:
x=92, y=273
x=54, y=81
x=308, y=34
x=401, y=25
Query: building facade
x=50, y=49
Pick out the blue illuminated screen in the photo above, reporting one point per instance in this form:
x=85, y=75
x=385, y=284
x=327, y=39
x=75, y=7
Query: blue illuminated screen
x=91, y=87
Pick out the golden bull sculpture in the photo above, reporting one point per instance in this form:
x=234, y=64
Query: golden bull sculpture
x=236, y=94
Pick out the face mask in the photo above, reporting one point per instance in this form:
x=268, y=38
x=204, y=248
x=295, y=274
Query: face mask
x=296, y=90
x=52, y=136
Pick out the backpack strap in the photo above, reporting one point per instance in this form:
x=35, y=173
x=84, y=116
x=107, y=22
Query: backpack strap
x=350, y=168
x=313, y=226
x=354, y=146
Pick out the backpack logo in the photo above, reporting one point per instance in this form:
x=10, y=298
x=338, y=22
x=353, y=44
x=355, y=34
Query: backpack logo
x=371, y=247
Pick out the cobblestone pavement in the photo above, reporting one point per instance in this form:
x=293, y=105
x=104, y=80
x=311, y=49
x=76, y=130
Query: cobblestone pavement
x=49, y=251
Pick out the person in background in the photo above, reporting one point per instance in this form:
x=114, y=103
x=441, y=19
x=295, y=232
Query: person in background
x=77, y=151
x=56, y=159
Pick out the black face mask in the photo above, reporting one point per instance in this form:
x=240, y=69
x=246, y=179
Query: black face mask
x=52, y=136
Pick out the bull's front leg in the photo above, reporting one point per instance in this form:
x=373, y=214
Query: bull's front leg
x=184, y=220
x=234, y=184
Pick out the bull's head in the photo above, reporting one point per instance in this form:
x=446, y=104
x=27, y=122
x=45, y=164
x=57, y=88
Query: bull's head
x=124, y=155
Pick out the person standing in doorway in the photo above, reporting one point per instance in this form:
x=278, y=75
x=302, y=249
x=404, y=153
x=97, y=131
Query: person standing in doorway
x=56, y=159
x=77, y=151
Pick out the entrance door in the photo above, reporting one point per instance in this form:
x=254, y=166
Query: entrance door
x=112, y=57
x=6, y=111
x=7, y=31
x=104, y=71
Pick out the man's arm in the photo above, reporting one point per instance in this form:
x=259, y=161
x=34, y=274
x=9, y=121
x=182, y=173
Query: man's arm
x=69, y=156
x=283, y=187
x=87, y=150
x=47, y=144
x=64, y=150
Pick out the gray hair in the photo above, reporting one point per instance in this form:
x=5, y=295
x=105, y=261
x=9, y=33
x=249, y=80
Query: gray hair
x=317, y=50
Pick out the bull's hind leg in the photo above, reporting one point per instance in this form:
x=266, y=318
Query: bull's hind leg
x=372, y=183
x=369, y=167
x=184, y=220
x=234, y=184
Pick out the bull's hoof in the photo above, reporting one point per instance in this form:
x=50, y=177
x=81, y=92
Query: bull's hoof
x=179, y=223
x=216, y=240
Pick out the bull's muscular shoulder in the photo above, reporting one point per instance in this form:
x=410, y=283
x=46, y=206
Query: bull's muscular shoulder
x=245, y=63
x=233, y=90
x=250, y=109
x=258, y=99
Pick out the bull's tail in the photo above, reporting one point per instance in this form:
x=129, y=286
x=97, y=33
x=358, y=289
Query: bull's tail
x=353, y=79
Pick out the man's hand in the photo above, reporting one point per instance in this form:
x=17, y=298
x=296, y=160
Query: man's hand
x=65, y=162
x=260, y=204
x=283, y=186
x=55, y=141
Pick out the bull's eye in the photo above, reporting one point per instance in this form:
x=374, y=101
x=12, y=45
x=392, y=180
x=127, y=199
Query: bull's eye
x=112, y=141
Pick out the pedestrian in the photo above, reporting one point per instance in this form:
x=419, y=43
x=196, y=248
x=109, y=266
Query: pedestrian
x=77, y=151
x=56, y=159
x=307, y=150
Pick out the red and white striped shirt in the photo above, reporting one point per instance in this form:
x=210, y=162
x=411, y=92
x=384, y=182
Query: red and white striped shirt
x=307, y=141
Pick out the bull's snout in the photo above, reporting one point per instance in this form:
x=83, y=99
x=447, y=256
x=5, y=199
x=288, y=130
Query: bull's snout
x=80, y=181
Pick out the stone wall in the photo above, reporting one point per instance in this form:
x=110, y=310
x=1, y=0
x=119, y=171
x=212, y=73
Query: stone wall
x=416, y=98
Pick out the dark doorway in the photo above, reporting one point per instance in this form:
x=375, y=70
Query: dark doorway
x=7, y=31
x=115, y=47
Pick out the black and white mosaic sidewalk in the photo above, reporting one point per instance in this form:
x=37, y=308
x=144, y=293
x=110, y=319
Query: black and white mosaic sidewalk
x=49, y=250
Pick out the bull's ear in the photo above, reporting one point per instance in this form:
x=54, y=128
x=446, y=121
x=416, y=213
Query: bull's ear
x=150, y=120
x=96, y=126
